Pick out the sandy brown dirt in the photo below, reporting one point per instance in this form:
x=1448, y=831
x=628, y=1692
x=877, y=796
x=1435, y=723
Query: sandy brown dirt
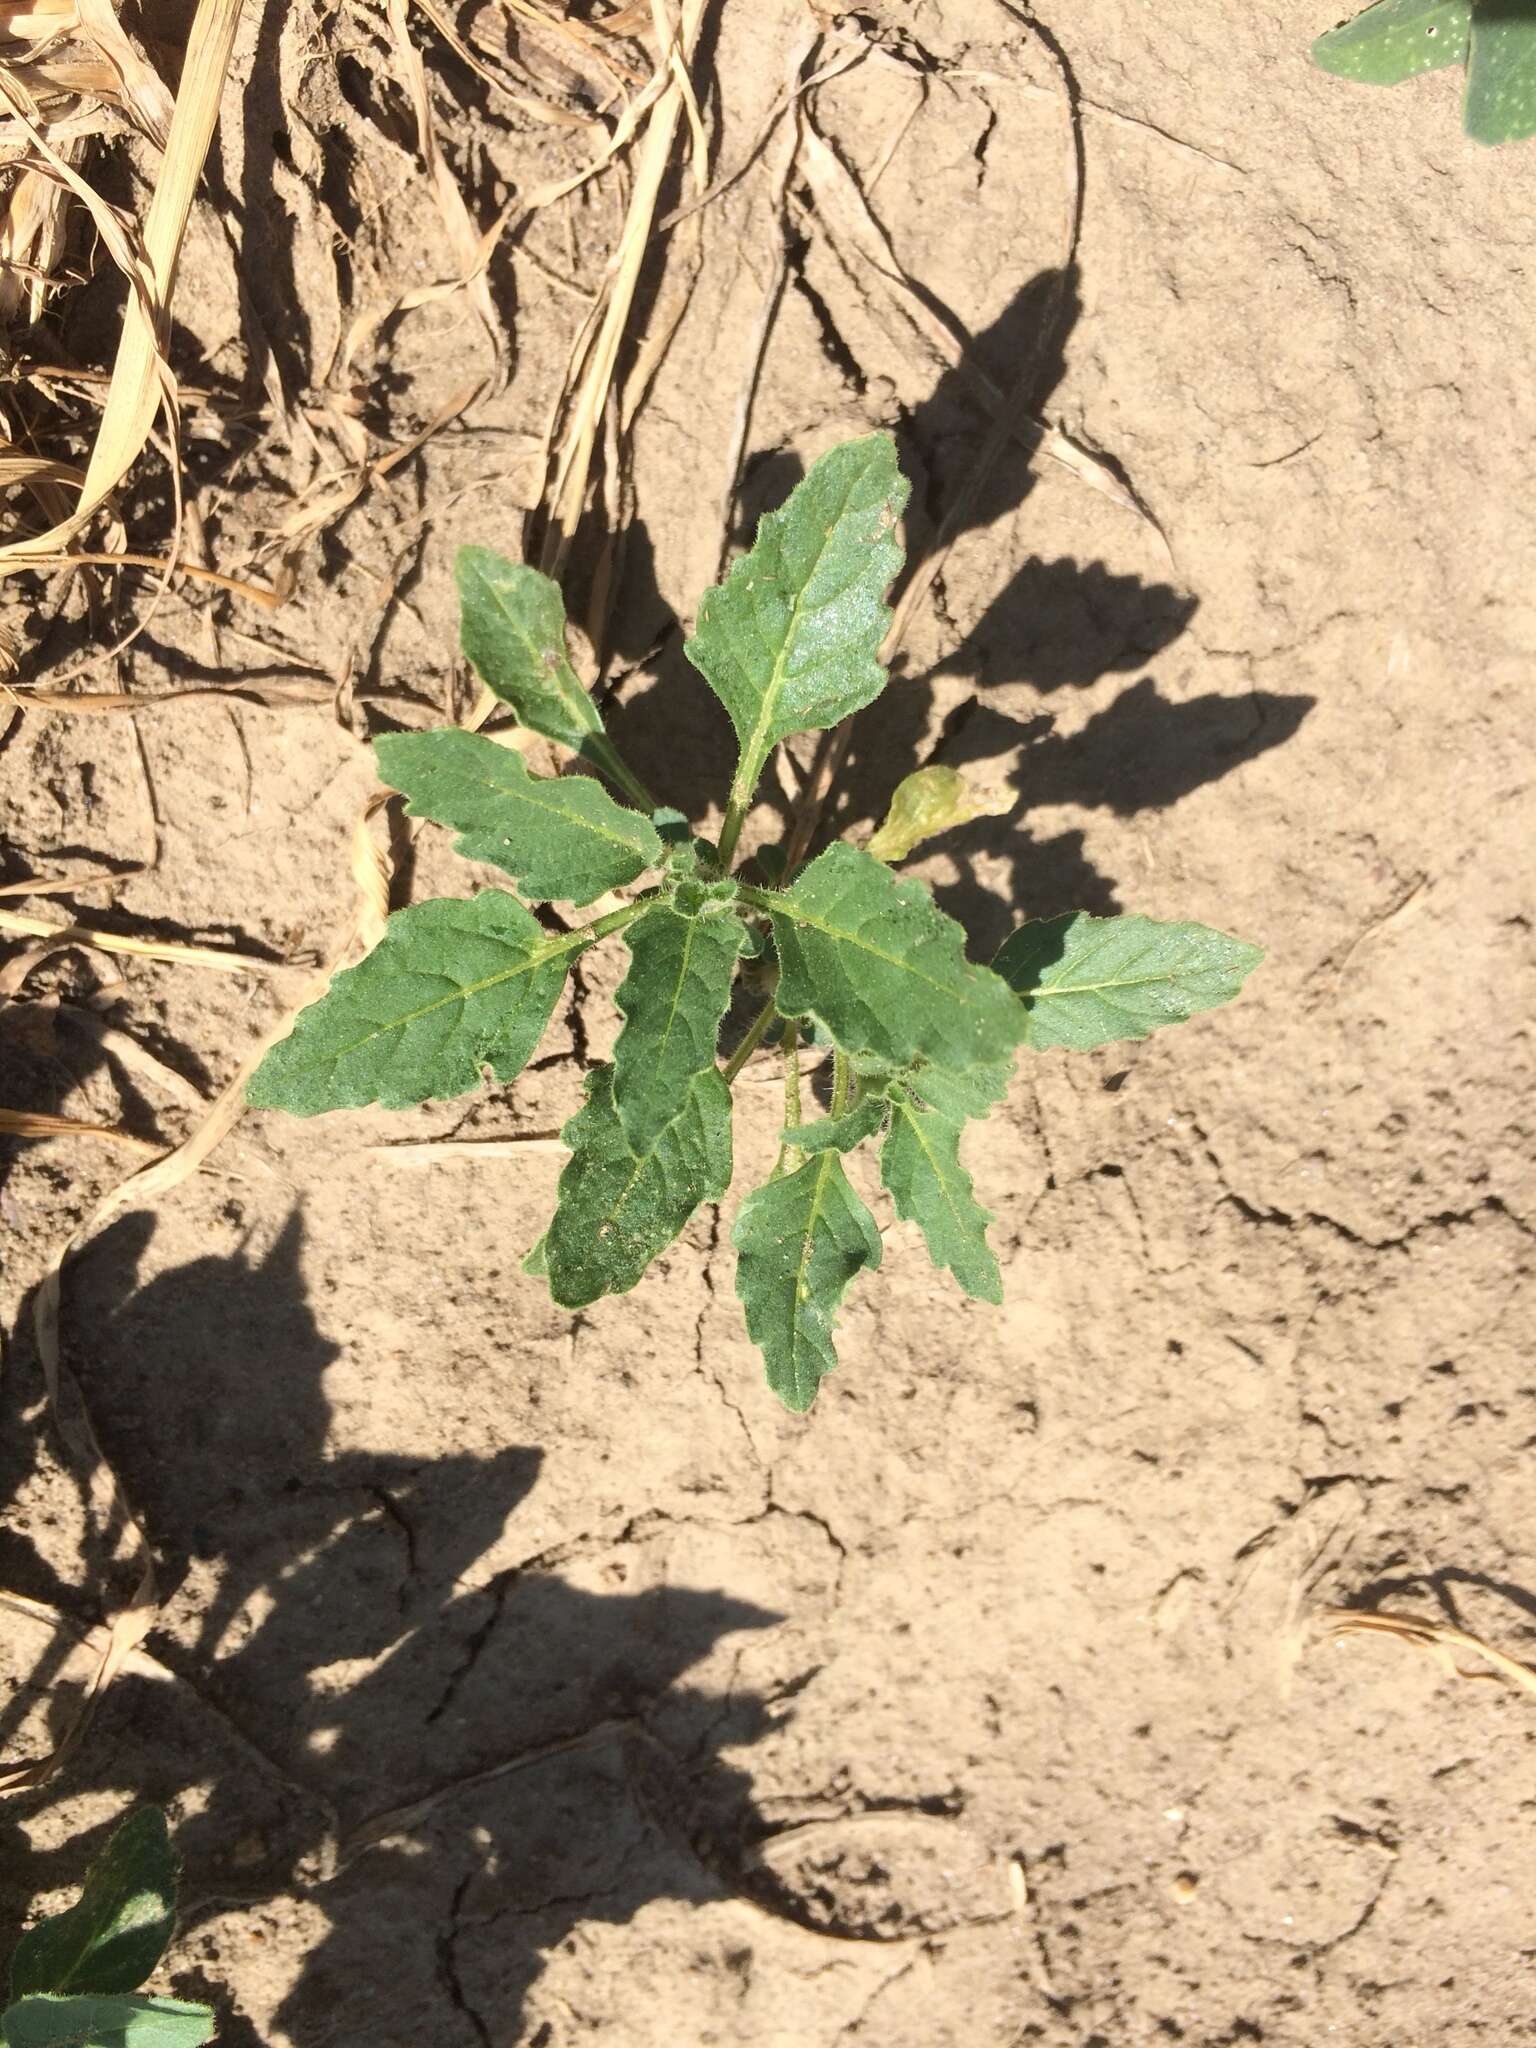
x=534, y=1679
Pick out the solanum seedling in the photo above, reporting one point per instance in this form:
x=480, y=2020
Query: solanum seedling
x=922, y=1038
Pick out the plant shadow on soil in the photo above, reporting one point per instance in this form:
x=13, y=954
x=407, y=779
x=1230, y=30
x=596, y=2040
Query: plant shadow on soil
x=540, y=1759
x=1057, y=625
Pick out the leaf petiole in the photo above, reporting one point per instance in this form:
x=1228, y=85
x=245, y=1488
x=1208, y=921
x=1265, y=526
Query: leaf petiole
x=842, y=1081
x=605, y=756
x=757, y=1031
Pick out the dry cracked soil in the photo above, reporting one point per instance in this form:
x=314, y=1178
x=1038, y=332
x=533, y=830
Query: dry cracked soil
x=529, y=1678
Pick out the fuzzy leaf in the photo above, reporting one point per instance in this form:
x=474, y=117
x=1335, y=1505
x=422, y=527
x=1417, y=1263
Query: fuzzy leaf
x=920, y=1166
x=927, y=802
x=883, y=969
x=620, y=1206
x=451, y=987
x=1088, y=981
x=563, y=837
x=1396, y=39
x=840, y=1133
x=512, y=628
x=799, y=1241
x=672, y=1000
x=43, y=2022
x=112, y=1937
x=1501, y=73
x=790, y=641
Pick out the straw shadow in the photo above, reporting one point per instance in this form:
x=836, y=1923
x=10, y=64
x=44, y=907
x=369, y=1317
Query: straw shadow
x=455, y=1769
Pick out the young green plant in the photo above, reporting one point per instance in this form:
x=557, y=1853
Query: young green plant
x=1400, y=39
x=74, y=1977
x=841, y=954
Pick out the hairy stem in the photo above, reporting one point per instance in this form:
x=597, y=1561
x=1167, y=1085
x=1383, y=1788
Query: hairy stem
x=842, y=1076
x=735, y=817
x=605, y=757
x=793, y=1114
x=757, y=1030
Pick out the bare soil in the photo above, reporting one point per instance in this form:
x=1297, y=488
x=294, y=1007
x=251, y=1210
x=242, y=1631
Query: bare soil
x=528, y=1678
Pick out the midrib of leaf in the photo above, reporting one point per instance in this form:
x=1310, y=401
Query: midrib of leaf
x=755, y=752
x=566, y=683
x=903, y=1105
x=802, y=1291
x=783, y=906
x=677, y=988
x=568, y=942
x=528, y=794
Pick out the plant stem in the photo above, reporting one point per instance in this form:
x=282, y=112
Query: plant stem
x=793, y=1113
x=735, y=817
x=842, y=1076
x=604, y=755
x=588, y=934
x=757, y=1030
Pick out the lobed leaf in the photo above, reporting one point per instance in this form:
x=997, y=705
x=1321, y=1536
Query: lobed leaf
x=790, y=641
x=112, y=1937
x=1087, y=981
x=103, y=2022
x=883, y=969
x=920, y=1167
x=1395, y=40
x=677, y=990
x=800, y=1240
x=563, y=838
x=926, y=803
x=1500, y=105
x=451, y=987
x=620, y=1205
x=840, y=1133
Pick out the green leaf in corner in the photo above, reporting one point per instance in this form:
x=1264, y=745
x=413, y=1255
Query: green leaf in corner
x=620, y=1206
x=840, y=1133
x=1395, y=40
x=44, y=2022
x=451, y=987
x=790, y=641
x=926, y=803
x=116, y=1932
x=884, y=969
x=512, y=627
x=563, y=838
x=1087, y=981
x=800, y=1240
x=1501, y=73
x=672, y=1000
x=920, y=1166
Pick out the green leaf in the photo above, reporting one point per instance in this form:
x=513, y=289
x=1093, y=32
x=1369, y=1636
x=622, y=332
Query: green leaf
x=536, y=1261
x=512, y=627
x=1396, y=39
x=840, y=1133
x=116, y=1932
x=920, y=1166
x=1087, y=981
x=619, y=1206
x=43, y=2022
x=930, y=801
x=451, y=987
x=1501, y=73
x=563, y=838
x=884, y=969
x=790, y=641
x=799, y=1241
x=672, y=1000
